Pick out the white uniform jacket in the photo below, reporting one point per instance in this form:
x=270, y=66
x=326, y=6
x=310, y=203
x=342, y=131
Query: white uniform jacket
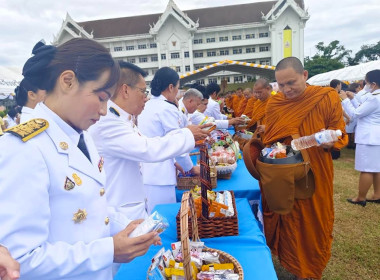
x=213, y=110
x=26, y=114
x=185, y=114
x=47, y=184
x=158, y=118
x=360, y=97
x=197, y=117
x=368, y=119
x=123, y=147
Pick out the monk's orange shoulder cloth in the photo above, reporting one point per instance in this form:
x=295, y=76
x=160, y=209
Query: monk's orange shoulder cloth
x=249, y=108
x=258, y=112
x=241, y=107
x=235, y=103
x=284, y=116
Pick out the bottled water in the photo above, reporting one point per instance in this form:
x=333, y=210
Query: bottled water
x=316, y=139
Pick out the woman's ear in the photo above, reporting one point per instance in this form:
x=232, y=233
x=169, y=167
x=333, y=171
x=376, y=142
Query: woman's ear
x=31, y=95
x=67, y=80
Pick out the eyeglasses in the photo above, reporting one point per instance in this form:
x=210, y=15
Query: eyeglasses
x=142, y=90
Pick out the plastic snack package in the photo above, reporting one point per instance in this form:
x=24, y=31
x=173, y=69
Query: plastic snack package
x=155, y=222
x=210, y=257
x=217, y=266
x=167, y=257
x=177, y=252
x=155, y=274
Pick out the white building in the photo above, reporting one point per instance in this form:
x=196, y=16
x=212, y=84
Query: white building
x=262, y=33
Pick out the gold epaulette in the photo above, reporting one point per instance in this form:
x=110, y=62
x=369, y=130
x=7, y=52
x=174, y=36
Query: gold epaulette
x=114, y=111
x=29, y=129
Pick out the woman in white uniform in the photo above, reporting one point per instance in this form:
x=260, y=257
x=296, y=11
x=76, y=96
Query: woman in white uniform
x=367, y=139
x=55, y=220
x=28, y=96
x=159, y=117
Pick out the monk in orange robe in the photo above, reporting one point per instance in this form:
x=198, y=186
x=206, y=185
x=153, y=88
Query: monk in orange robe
x=229, y=99
x=249, y=108
x=237, y=99
x=247, y=93
x=302, y=239
x=262, y=90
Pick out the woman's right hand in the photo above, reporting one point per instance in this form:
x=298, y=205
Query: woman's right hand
x=198, y=131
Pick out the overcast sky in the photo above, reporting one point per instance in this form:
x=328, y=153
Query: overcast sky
x=24, y=22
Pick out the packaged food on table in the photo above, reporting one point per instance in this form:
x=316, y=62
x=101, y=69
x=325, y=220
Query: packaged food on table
x=155, y=222
x=217, y=266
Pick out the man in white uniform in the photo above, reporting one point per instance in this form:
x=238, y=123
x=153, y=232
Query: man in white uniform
x=189, y=103
x=123, y=147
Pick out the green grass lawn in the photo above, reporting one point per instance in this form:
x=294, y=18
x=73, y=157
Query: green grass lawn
x=356, y=245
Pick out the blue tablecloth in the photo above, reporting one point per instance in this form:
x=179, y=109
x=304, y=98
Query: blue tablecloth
x=249, y=248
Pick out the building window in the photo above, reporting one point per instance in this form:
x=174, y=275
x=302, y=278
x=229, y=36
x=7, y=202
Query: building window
x=198, y=41
x=250, y=36
x=140, y=47
x=174, y=55
x=212, y=81
x=228, y=79
x=224, y=52
x=198, y=67
x=249, y=78
x=250, y=50
x=154, y=58
x=131, y=60
x=201, y=82
x=187, y=68
x=178, y=69
x=236, y=37
x=265, y=62
x=213, y=53
x=198, y=54
x=263, y=35
x=238, y=79
x=237, y=51
x=143, y=59
x=264, y=49
x=130, y=48
x=223, y=39
x=118, y=49
x=154, y=71
x=163, y=56
x=186, y=54
x=153, y=45
x=210, y=40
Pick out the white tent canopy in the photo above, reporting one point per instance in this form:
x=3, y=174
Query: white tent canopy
x=349, y=74
x=9, y=80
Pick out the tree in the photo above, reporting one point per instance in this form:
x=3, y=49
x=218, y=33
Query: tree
x=366, y=53
x=327, y=58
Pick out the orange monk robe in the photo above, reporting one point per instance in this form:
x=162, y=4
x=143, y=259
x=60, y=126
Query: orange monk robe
x=236, y=103
x=302, y=239
x=229, y=101
x=248, y=109
x=242, y=104
x=258, y=114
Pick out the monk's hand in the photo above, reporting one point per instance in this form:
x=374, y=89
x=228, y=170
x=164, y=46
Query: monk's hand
x=9, y=268
x=343, y=94
x=260, y=128
x=127, y=248
x=327, y=145
x=200, y=132
x=350, y=94
x=179, y=168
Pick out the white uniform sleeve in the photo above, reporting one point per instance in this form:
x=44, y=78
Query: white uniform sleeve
x=363, y=110
x=197, y=117
x=221, y=124
x=215, y=112
x=121, y=142
x=25, y=216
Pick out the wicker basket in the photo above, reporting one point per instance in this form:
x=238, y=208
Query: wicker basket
x=215, y=226
x=187, y=213
x=187, y=183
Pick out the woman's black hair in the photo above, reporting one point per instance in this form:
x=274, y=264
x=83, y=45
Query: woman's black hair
x=86, y=58
x=334, y=83
x=162, y=79
x=373, y=77
x=22, y=92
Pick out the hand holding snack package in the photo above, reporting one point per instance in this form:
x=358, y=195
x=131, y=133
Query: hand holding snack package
x=155, y=222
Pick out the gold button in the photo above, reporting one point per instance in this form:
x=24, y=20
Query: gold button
x=63, y=145
x=102, y=191
x=106, y=220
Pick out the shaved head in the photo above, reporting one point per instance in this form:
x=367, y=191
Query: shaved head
x=290, y=62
